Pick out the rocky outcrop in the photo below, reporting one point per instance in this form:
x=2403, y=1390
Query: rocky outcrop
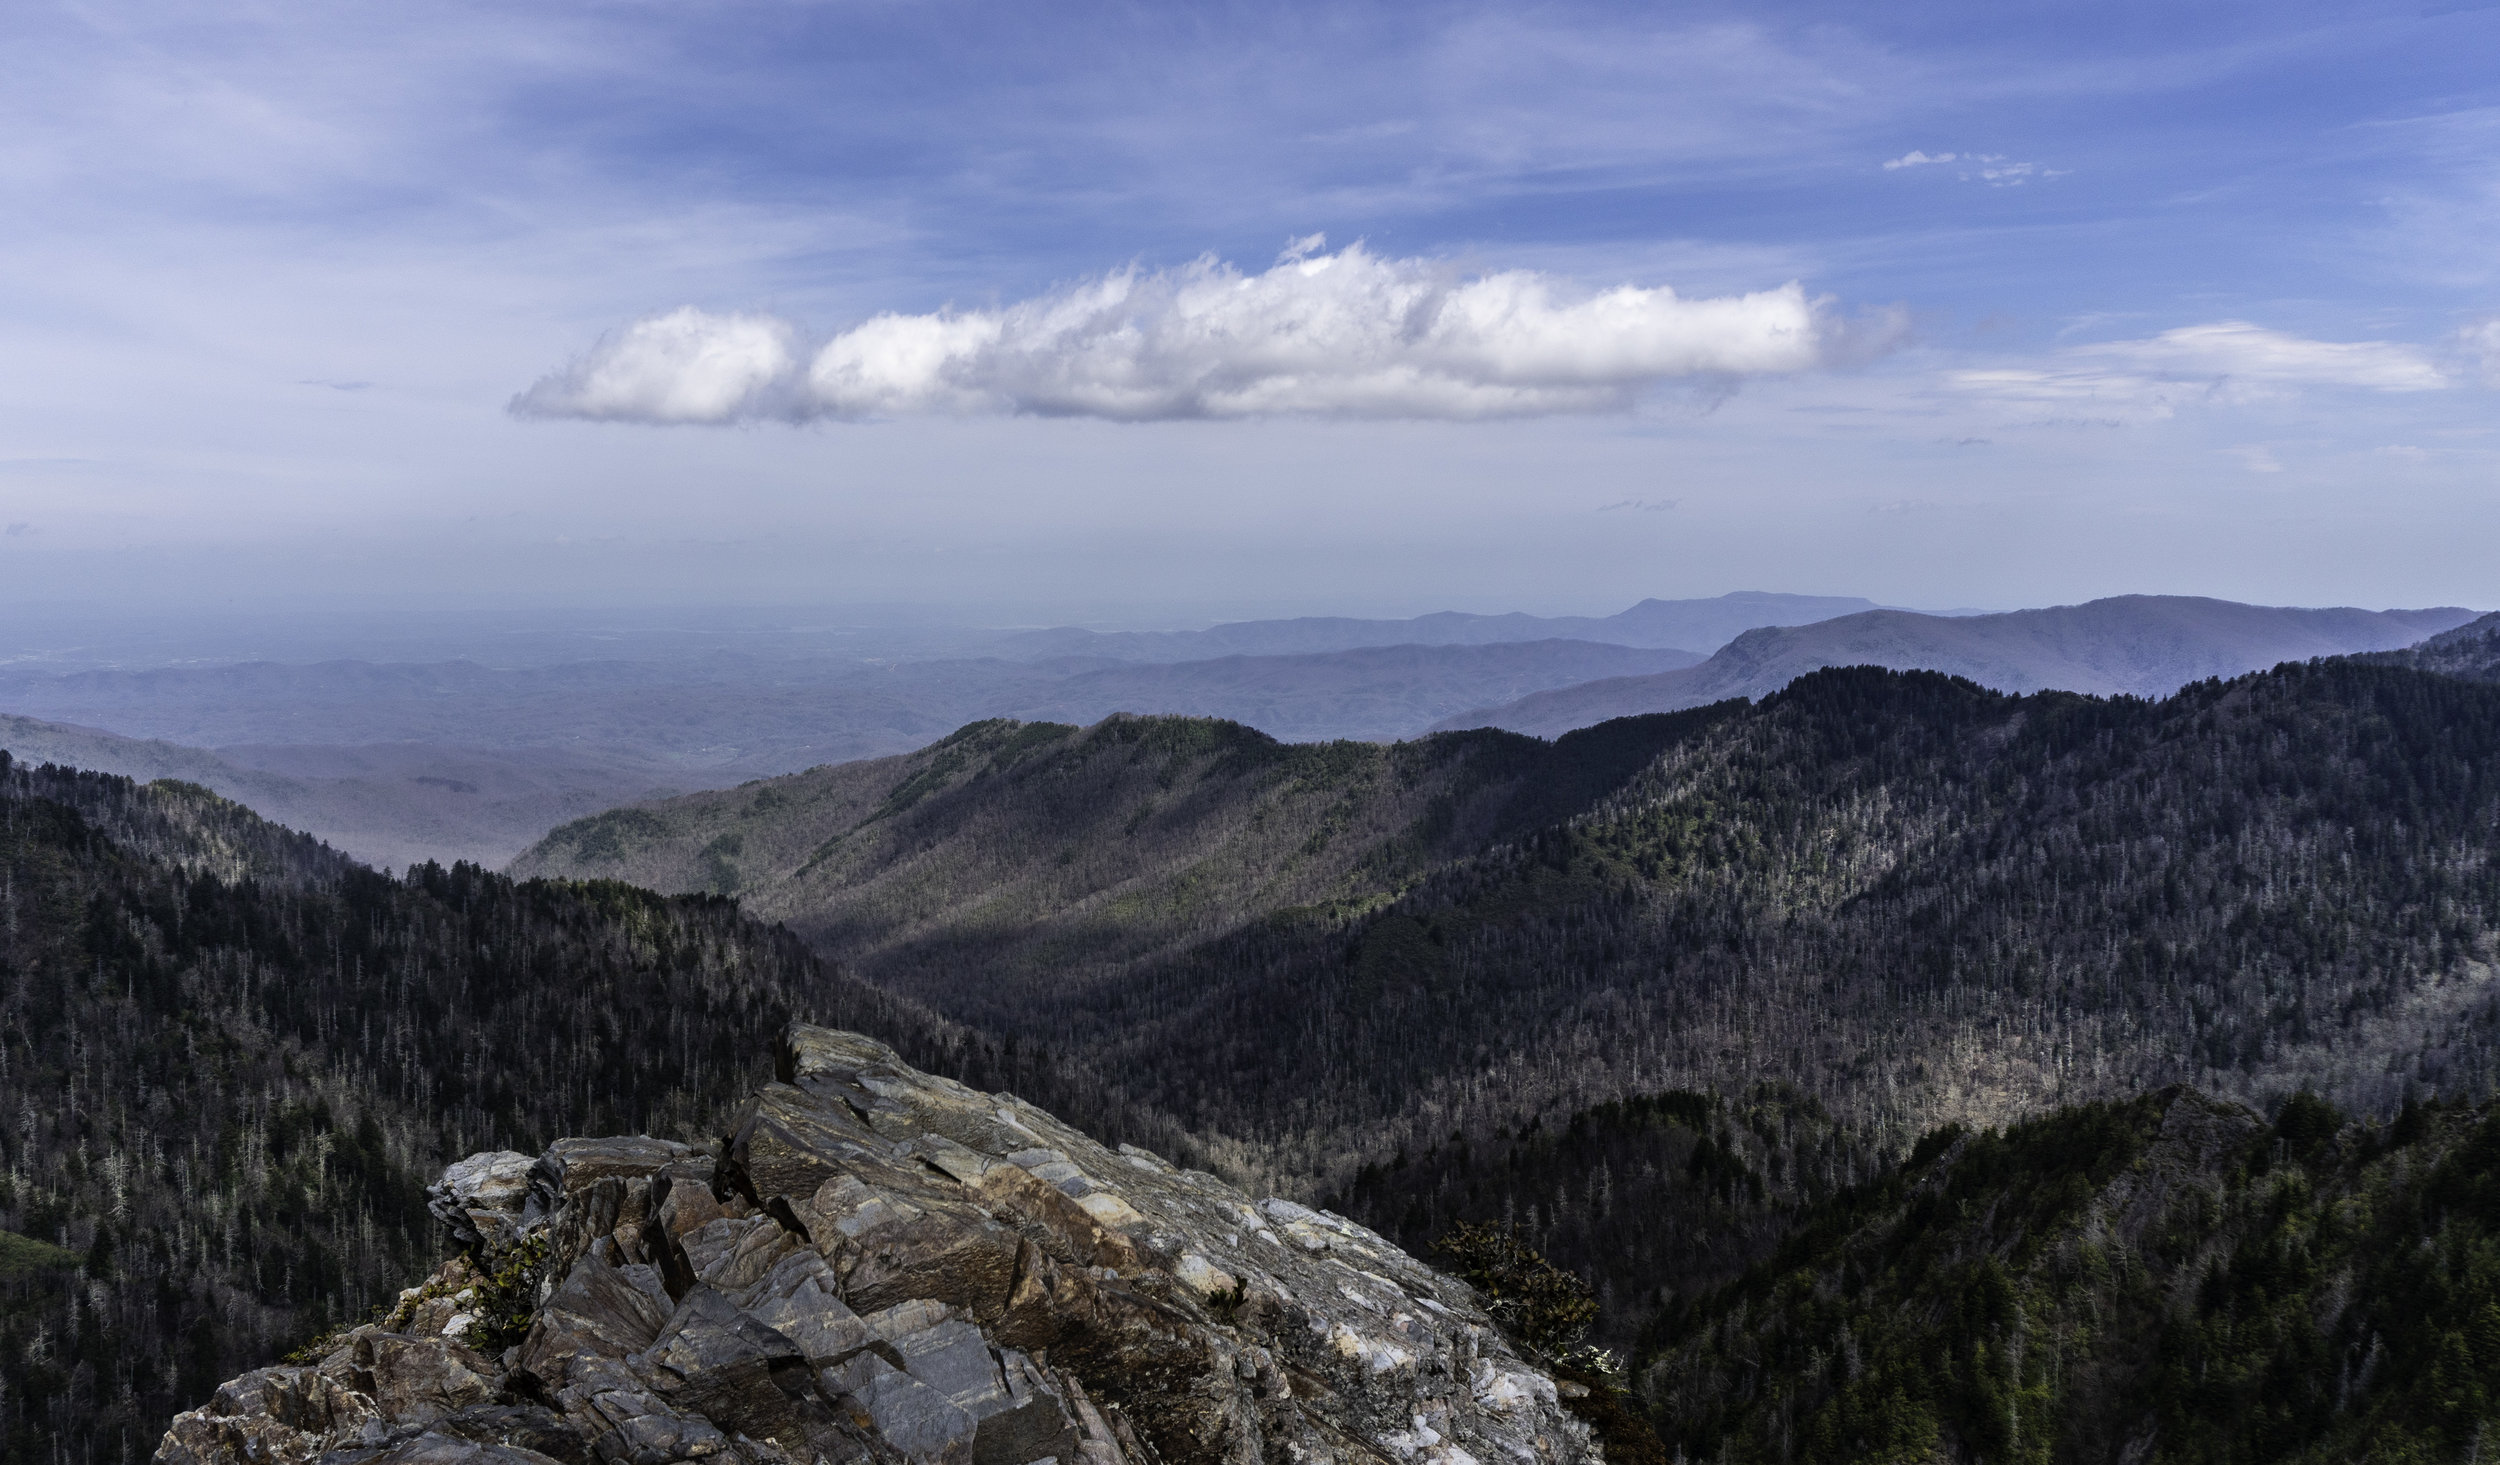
x=881, y=1266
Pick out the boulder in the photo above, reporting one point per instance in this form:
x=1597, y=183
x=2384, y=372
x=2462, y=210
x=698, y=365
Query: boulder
x=480, y=1199
x=878, y=1266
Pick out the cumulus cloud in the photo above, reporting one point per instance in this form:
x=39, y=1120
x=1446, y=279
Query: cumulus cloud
x=1349, y=334
x=1916, y=159
x=2223, y=361
x=686, y=366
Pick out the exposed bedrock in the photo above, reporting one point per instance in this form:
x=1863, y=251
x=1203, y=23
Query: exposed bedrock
x=877, y=1265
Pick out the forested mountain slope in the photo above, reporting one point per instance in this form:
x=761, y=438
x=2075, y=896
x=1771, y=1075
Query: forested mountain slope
x=2471, y=651
x=2133, y=645
x=1655, y=1200
x=1911, y=898
x=230, y=1058
x=1015, y=855
x=2166, y=1278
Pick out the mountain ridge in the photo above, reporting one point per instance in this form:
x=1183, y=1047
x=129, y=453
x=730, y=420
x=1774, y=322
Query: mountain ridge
x=1696, y=625
x=1730, y=894
x=2132, y=645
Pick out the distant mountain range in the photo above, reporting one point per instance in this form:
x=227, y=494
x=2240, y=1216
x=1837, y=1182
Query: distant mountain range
x=746, y=717
x=1699, y=626
x=2133, y=645
x=2471, y=651
x=399, y=762
x=387, y=804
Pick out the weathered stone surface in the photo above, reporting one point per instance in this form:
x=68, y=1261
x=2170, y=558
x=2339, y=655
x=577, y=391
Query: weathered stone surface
x=282, y=1416
x=881, y=1267
x=492, y=1435
x=480, y=1199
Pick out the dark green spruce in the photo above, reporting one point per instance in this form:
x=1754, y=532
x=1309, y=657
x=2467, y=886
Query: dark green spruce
x=2166, y=1278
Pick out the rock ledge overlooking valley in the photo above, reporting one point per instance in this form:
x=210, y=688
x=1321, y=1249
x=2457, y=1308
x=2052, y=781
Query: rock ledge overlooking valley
x=880, y=1265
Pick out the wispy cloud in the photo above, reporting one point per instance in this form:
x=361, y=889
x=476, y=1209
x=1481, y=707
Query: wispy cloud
x=1349, y=334
x=2238, y=351
x=1994, y=169
x=2256, y=458
x=2220, y=361
x=2481, y=342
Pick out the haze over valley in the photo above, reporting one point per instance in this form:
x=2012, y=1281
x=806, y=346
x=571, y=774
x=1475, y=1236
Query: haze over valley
x=397, y=762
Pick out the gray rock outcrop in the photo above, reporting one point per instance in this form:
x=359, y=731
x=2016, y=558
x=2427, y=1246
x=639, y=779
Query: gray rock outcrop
x=878, y=1266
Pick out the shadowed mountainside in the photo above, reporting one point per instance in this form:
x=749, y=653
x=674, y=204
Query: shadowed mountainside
x=2133, y=645
x=1913, y=899
x=1011, y=848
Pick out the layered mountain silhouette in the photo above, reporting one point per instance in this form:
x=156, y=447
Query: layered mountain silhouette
x=2131, y=645
x=1692, y=625
x=742, y=718
x=2471, y=651
x=387, y=804
x=402, y=762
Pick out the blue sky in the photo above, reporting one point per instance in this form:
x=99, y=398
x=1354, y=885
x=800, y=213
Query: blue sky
x=1017, y=309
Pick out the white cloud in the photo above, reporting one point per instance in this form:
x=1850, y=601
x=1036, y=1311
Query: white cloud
x=2256, y=458
x=2236, y=351
x=686, y=366
x=1350, y=334
x=1994, y=169
x=2225, y=361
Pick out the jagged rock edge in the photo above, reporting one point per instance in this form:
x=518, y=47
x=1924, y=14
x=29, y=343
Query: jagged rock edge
x=879, y=1265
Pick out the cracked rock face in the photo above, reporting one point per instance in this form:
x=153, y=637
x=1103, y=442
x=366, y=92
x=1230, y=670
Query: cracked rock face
x=882, y=1266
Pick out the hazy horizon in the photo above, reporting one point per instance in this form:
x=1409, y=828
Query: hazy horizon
x=74, y=636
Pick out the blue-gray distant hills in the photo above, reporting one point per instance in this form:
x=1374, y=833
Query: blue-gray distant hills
x=2137, y=645
x=1699, y=626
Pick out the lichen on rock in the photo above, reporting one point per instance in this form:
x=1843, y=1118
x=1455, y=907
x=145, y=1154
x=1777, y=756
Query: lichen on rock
x=878, y=1265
